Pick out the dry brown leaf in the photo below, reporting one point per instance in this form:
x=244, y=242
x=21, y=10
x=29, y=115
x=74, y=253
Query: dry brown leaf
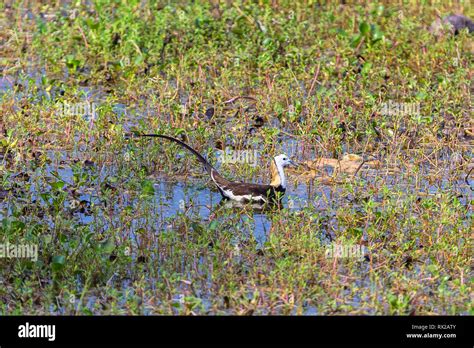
x=349, y=164
x=352, y=157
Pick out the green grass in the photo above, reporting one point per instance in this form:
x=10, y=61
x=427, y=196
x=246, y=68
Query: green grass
x=318, y=75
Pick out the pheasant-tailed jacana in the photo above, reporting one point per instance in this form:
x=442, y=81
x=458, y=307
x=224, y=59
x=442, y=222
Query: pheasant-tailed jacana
x=240, y=191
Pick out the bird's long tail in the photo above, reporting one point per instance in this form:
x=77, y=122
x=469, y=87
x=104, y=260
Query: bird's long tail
x=201, y=159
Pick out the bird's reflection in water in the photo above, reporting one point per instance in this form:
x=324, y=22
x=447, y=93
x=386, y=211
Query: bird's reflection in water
x=257, y=207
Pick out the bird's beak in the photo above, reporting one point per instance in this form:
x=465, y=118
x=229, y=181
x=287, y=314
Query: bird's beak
x=293, y=164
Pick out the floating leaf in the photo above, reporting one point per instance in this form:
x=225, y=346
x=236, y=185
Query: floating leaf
x=17, y=226
x=58, y=185
x=147, y=188
x=107, y=246
x=377, y=35
x=196, y=227
x=364, y=28
x=421, y=96
x=71, y=62
x=341, y=32
x=356, y=40
x=213, y=225
x=366, y=68
x=58, y=262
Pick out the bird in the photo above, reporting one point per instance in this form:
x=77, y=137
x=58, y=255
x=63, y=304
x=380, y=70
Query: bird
x=453, y=23
x=240, y=191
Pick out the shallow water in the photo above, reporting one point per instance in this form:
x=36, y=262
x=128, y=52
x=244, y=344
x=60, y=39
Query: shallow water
x=196, y=198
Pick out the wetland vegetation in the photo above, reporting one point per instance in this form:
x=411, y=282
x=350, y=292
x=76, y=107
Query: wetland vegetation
x=375, y=108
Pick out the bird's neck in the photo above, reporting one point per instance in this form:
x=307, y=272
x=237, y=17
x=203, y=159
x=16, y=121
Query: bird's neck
x=278, y=175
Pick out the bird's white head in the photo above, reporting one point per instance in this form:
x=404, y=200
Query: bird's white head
x=283, y=161
x=278, y=175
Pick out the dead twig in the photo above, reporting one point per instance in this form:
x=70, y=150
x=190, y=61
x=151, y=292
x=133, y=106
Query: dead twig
x=358, y=168
x=231, y=100
x=466, y=179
